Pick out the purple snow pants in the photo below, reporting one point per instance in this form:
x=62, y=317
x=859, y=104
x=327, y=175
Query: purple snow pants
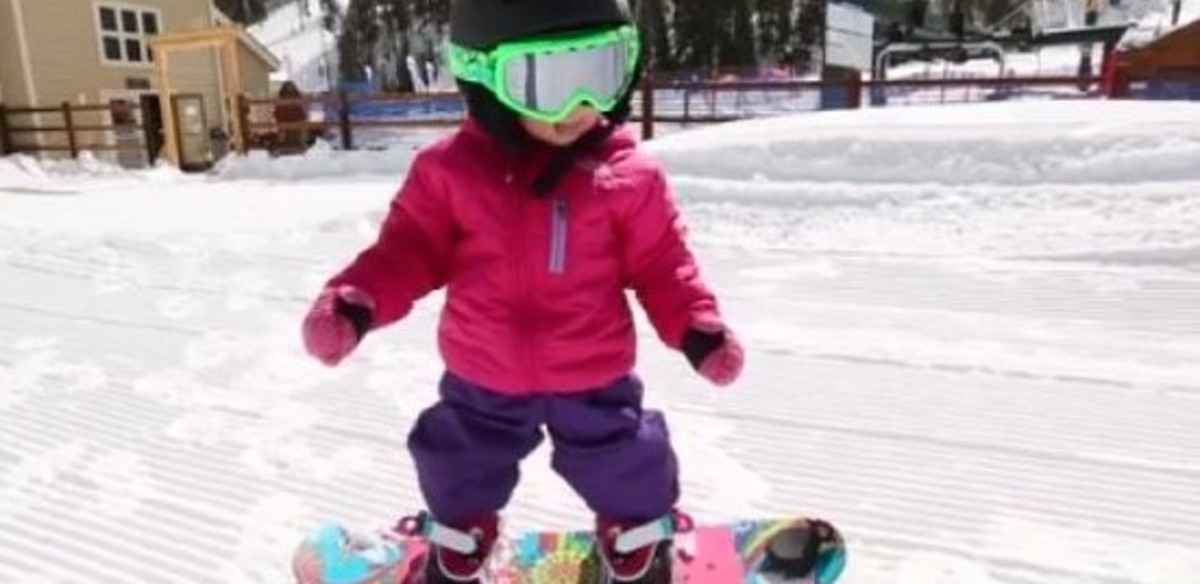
x=616, y=455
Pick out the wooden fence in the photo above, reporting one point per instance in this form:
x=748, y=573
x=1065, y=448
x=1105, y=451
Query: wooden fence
x=345, y=113
x=345, y=118
x=73, y=128
x=378, y=120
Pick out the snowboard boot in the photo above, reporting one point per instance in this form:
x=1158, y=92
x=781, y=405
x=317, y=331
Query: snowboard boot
x=458, y=553
x=636, y=553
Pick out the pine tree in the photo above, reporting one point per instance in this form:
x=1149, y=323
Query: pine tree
x=697, y=32
x=736, y=45
x=383, y=34
x=810, y=25
x=245, y=12
x=652, y=19
x=356, y=41
x=332, y=15
x=430, y=25
x=776, y=30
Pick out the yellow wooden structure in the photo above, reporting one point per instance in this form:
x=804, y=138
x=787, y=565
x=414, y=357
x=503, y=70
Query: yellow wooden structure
x=232, y=42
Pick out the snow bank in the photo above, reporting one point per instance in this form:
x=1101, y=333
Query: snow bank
x=19, y=171
x=1001, y=143
x=321, y=161
x=1110, y=182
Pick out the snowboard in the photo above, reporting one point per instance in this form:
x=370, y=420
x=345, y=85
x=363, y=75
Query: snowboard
x=753, y=551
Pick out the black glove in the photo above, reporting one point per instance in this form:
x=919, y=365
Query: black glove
x=698, y=345
x=359, y=316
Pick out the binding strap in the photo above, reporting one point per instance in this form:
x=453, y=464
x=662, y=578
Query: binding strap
x=439, y=534
x=661, y=529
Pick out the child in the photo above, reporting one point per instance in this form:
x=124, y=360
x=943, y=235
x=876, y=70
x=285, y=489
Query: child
x=537, y=215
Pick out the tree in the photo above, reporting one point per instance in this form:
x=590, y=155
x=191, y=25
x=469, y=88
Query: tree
x=776, y=29
x=332, y=18
x=696, y=29
x=383, y=34
x=245, y=12
x=355, y=42
x=652, y=19
x=736, y=43
x=810, y=26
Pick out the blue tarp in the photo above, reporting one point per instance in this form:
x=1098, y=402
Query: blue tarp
x=435, y=106
x=1173, y=90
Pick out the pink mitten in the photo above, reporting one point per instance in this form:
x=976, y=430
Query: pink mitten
x=336, y=322
x=714, y=351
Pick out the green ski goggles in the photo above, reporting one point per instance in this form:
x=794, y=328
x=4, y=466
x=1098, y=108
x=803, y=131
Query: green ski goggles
x=545, y=78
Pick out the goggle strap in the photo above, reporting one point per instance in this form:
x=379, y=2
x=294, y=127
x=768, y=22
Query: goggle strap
x=470, y=64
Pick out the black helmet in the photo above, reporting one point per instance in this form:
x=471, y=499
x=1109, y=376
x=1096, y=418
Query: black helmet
x=483, y=24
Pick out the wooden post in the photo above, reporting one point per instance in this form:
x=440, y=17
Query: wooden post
x=69, y=122
x=5, y=141
x=230, y=49
x=854, y=89
x=648, y=107
x=650, y=65
x=167, y=106
x=344, y=120
x=243, y=121
x=227, y=55
x=687, y=105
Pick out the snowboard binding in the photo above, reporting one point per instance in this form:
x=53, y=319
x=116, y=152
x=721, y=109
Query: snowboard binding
x=805, y=551
x=756, y=551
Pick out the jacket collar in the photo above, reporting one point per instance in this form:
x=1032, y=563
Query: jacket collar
x=526, y=166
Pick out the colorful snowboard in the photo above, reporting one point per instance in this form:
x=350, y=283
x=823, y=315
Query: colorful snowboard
x=766, y=551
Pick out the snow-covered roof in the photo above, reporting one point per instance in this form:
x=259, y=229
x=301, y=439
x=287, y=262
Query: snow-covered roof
x=1158, y=24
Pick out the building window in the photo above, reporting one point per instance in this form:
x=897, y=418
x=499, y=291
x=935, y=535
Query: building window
x=125, y=32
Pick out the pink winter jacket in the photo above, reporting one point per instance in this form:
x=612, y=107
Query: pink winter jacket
x=535, y=287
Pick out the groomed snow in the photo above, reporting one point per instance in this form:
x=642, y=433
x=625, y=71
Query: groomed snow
x=972, y=336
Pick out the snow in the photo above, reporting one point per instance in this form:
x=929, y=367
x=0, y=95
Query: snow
x=1153, y=24
x=971, y=338
x=1189, y=11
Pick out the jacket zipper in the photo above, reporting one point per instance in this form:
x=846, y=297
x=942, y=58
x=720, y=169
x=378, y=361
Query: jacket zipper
x=558, y=236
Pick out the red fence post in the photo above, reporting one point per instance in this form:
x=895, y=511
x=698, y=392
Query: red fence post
x=854, y=87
